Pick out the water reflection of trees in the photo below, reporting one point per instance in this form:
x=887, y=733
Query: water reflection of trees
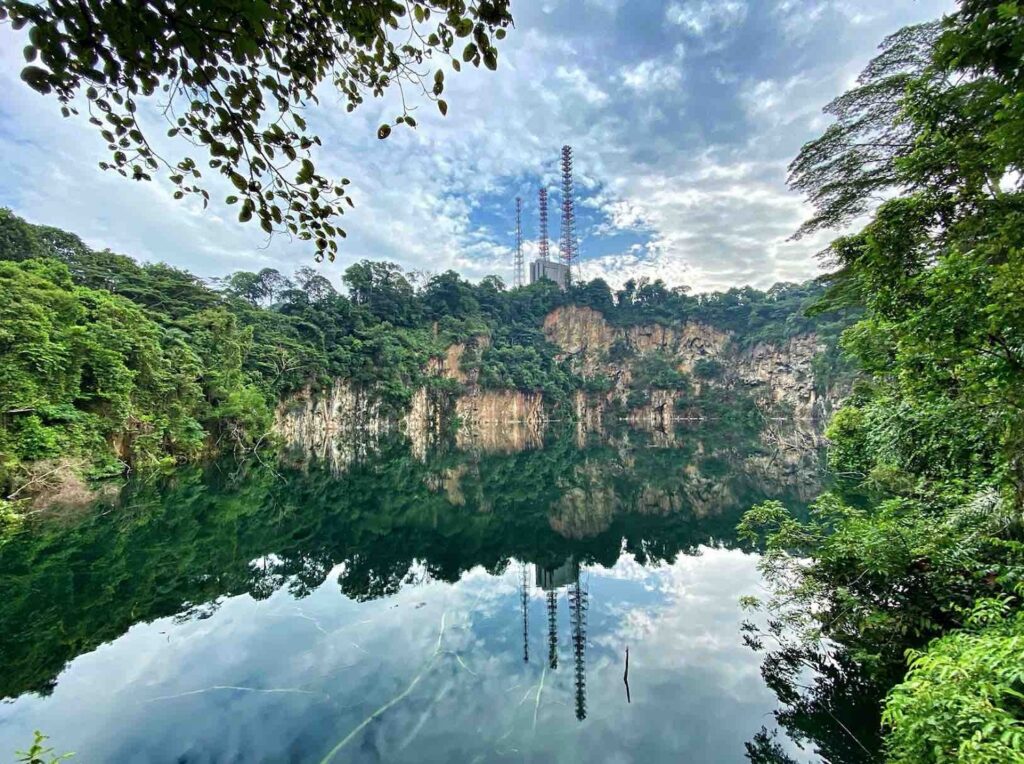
x=826, y=703
x=177, y=547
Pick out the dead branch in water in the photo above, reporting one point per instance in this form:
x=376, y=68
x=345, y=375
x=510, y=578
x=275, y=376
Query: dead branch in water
x=625, y=676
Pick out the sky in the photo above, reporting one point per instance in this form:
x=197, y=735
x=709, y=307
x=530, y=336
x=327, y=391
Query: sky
x=683, y=116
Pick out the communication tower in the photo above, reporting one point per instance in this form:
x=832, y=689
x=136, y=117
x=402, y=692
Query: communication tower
x=517, y=277
x=569, y=247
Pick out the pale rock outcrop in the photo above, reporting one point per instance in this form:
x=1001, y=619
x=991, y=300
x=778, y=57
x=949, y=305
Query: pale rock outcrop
x=343, y=422
x=338, y=425
x=500, y=420
x=779, y=377
x=782, y=374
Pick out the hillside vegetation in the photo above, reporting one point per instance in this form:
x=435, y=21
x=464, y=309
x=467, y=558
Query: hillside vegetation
x=910, y=601
x=118, y=364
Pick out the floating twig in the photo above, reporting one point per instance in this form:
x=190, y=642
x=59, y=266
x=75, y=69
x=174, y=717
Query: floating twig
x=625, y=675
x=240, y=689
x=540, y=689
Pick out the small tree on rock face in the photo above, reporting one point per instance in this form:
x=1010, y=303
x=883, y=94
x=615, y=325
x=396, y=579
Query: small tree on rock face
x=231, y=78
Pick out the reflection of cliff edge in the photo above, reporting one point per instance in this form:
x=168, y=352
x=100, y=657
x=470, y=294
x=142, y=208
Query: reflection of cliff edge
x=591, y=495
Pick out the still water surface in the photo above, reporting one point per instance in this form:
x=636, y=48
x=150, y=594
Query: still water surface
x=465, y=607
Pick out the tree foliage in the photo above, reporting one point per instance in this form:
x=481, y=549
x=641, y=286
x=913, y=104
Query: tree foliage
x=962, y=699
x=931, y=142
x=233, y=78
x=148, y=363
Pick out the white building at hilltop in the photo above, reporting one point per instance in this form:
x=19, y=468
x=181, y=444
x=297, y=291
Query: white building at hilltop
x=549, y=269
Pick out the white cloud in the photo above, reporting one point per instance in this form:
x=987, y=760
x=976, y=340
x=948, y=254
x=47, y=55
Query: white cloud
x=683, y=149
x=799, y=18
x=651, y=75
x=699, y=18
x=779, y=102
x=579, y=84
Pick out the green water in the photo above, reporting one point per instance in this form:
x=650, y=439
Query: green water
x=460, y=607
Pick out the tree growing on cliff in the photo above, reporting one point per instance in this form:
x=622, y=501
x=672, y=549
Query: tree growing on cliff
x=232, y=78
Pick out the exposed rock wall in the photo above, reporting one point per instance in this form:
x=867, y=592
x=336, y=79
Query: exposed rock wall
x=780, y=378
x=489, y=420
x=338, y=425
x=657, y=414
x=449, y=366
x=584, y=335
x=500, y=420
x=782, y=374
x=343, y=421
x=427, y=420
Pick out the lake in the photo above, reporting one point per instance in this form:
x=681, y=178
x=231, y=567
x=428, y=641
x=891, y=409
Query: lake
x=464, y=606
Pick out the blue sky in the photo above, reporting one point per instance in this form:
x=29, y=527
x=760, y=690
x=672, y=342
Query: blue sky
x=683, y=116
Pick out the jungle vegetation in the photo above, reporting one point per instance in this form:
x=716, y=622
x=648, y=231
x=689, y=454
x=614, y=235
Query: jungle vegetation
x=123, y=364
x=904, y=587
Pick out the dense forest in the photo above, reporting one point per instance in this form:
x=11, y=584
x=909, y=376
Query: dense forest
x=930, y=570
x=120, y=364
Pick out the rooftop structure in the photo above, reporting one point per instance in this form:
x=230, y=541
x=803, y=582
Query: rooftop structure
x=551, y=270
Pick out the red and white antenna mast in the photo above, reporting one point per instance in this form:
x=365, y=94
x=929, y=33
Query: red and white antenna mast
x=543, y=251
x=569, y=247
x=517, y=277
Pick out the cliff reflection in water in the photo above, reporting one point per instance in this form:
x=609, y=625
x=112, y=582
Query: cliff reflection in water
x=390, y=522
x=178, y=546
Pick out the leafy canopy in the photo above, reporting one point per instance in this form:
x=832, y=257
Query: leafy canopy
x=232, y=78
x=931, y=142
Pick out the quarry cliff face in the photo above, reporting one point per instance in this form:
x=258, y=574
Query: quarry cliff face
x=341, y=422
x=587, y=338
x=785, y=375
x=344, y=422
x=489, y=420
x=780, y=378
x=337, y=425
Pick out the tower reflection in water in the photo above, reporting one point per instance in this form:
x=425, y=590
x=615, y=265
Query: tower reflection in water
x=553, y=580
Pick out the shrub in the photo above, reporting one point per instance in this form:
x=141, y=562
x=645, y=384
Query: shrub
x=962, y=699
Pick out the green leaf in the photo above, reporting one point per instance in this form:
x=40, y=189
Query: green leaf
x=305, y=174
x=36, y=78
